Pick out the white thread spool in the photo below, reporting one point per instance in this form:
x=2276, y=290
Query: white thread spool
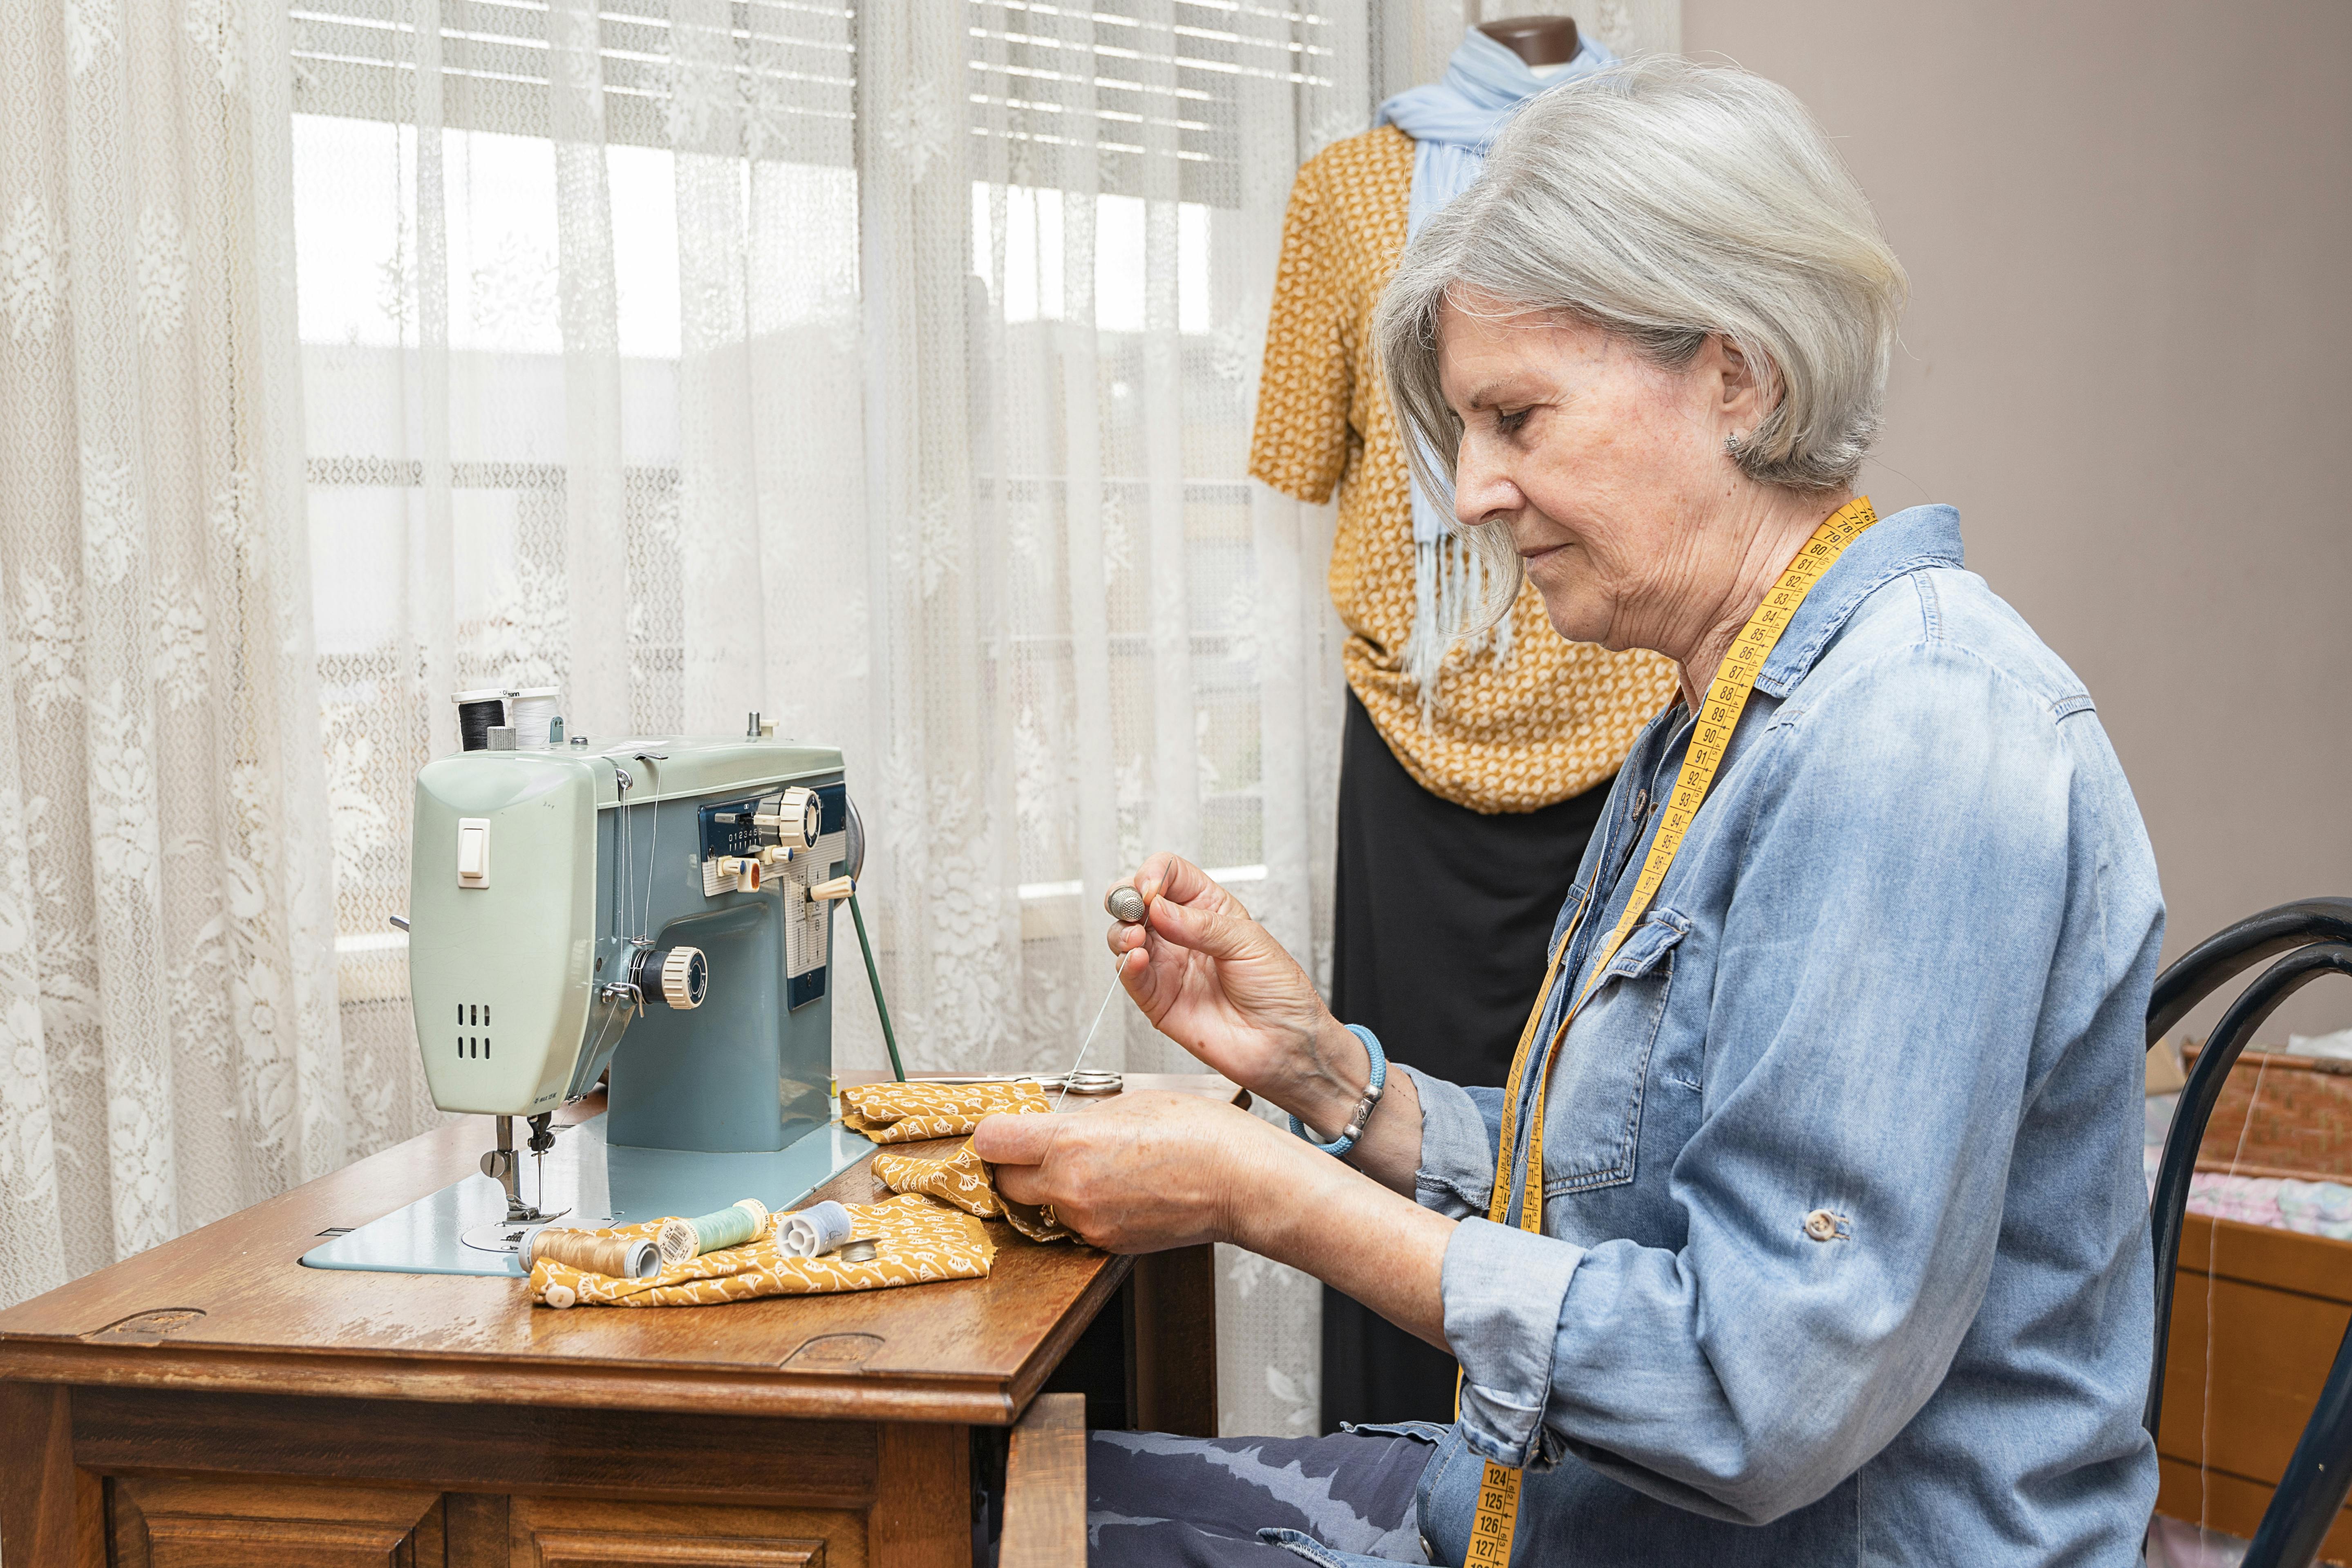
x=530, y=711
x=818, y=1228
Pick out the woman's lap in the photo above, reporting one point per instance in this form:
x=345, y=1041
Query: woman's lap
x=1158, y=1501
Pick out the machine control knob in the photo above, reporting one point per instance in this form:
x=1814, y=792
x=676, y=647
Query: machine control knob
x=796, y=817
x=673, y=976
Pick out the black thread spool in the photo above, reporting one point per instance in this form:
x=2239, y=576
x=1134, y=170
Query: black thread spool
x=477, y=713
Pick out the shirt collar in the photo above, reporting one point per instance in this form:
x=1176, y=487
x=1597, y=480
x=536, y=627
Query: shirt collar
x=1917, y=537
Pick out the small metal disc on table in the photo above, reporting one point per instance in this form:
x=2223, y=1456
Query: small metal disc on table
x=1096, y=1081
x=860, y=1249
x=1124, y=904
x=506, y=1235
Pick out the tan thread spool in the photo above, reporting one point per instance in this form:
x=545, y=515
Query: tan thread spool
x=615, y=1257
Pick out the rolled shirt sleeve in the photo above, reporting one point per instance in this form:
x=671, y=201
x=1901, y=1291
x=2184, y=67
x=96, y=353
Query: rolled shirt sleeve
x=1461, y=1129
x=1503, y=1290
x=1870, y=1036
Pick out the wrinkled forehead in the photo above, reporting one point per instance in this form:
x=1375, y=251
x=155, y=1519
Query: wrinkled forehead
x=1484, y=346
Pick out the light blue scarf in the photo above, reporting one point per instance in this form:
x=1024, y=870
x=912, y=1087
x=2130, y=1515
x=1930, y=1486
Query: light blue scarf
x=1452, y=122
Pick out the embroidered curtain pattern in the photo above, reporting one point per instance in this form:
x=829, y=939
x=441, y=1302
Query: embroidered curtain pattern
x=169, y=1039
x=887, y=370
x=888, y=373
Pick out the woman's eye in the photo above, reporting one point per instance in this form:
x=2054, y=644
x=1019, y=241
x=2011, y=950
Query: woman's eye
x=1510, y=424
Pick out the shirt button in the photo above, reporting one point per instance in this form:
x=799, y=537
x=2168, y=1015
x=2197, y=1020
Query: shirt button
x=1821, y=1226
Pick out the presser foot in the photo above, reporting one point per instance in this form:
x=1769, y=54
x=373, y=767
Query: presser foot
x=502, y=1166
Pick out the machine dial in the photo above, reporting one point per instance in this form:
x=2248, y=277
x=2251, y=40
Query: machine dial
x=796, y=818
x=672, y=976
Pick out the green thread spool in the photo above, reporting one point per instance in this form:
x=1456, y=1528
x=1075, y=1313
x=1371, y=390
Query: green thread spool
x=682, y=1239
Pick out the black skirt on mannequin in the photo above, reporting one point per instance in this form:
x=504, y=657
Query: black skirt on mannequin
x=1442, y=920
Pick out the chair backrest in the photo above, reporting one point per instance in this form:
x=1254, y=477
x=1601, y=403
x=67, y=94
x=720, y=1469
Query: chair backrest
x=2315, y=938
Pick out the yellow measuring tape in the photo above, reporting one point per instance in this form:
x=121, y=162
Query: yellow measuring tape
x=1727, y=698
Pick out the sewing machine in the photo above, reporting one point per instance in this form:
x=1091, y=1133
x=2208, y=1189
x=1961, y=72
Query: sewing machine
x=660, y=909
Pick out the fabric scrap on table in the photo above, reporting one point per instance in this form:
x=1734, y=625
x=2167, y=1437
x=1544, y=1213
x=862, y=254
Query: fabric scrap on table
x=910, y=1112
x=968, y=1183
x=916, y=1240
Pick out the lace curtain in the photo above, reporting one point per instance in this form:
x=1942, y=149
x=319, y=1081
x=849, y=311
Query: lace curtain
x=167, y=983
x=889, y=374
x=885, y=369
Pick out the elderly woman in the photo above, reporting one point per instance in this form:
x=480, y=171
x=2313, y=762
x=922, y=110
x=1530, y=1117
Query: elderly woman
x=1836, y=1250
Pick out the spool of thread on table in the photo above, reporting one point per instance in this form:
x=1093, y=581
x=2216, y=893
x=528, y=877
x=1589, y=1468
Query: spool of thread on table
x=818, y=1228
x=615, y=1257
x=529, y=711
x=476, y=713
x=682, y=1239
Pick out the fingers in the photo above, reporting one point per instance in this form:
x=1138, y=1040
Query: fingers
x=1014, y=1139
x=1022, y=1184
x=1218, y=931
x=1167, y=875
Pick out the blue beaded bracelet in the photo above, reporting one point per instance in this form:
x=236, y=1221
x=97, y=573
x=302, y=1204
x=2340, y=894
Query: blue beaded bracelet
x=1355, y=1127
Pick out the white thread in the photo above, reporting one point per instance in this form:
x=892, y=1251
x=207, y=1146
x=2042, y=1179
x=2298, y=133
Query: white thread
x=818, y=1228
x=1087, y=1044
x=530, y=711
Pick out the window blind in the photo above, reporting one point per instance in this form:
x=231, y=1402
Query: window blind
x=1121, y=81
x=792, y=61
x=1125, y=78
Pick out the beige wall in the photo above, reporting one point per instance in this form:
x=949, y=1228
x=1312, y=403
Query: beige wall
x=2126, y=361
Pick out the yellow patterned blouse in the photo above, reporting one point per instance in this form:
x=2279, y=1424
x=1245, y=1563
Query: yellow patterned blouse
x=1548, y=719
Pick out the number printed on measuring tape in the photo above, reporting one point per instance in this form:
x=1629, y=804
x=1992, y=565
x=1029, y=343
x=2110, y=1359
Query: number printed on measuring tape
x=1498, y=1515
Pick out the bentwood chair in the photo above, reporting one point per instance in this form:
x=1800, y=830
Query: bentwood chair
x=2315, y=937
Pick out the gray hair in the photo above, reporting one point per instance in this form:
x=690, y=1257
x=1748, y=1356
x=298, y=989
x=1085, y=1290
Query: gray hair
x=1666, y=202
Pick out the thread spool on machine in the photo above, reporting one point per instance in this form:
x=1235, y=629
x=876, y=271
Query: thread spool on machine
x=530, y=711
x=506, y=718
x=480, y=712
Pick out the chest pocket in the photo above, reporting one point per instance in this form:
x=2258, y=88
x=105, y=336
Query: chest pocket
x=1592, y=1118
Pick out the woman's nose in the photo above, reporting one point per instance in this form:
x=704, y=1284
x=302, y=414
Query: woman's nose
x=1482, y=487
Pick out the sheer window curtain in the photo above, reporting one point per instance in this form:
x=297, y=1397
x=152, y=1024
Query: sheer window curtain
x=889, y=373
x=887, y=370
x=169, y=1047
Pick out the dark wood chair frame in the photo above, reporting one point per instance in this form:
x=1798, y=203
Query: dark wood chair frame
x=2315, y=936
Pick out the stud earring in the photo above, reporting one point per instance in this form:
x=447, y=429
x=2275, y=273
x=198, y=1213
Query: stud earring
x=1731, y=444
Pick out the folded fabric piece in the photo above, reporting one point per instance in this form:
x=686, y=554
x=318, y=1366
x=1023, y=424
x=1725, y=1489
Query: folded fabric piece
x=916, y=1240
x=909, y=1112
x=967, y=1182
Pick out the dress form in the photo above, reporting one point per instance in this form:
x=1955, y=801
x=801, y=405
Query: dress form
x=1539, y=40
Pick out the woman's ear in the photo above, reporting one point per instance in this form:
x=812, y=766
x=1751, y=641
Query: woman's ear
x=1742, y=383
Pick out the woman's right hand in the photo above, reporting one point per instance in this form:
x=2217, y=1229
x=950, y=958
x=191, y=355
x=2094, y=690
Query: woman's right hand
x=1212, y=980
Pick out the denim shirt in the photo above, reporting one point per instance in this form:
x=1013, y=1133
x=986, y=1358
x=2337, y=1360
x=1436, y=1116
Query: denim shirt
x=1897, y=975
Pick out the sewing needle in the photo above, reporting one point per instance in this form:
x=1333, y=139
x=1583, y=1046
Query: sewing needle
x=1088, y=1043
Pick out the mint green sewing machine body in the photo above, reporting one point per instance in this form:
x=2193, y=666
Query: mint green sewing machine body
x=564, y=923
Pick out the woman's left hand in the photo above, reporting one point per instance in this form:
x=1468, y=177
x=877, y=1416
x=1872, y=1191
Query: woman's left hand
x=1150, y=1171
x=1142, y=1173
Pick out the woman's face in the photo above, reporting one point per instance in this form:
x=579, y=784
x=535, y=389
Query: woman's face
x=1607, y=469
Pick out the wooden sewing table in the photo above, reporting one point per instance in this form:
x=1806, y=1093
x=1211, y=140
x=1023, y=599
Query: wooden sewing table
x=213, y=1403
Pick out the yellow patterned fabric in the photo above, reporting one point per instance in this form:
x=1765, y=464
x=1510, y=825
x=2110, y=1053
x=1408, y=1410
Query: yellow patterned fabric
x=967, y=1182
x=917, y=1240
x=910, y=1112
x=1548, y=719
